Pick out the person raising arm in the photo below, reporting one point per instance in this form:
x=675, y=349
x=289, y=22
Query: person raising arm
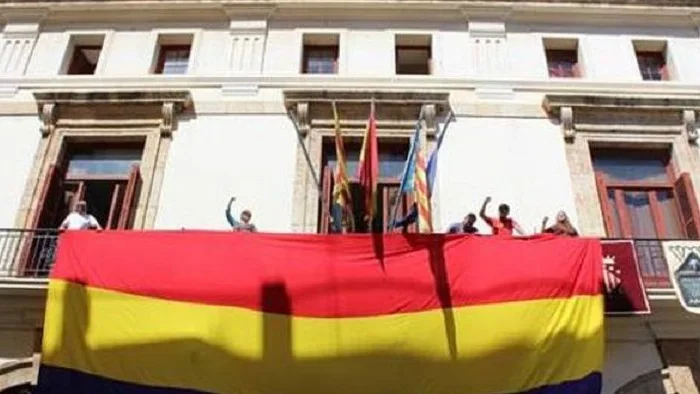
x=503, y=225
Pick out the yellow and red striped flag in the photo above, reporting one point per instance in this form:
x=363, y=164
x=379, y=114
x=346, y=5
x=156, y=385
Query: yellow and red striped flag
x=425, y=219
x=368, y=169
x=341, y=185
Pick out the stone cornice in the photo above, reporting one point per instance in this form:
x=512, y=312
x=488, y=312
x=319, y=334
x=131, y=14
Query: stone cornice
x=666, y=12
x=180, y=98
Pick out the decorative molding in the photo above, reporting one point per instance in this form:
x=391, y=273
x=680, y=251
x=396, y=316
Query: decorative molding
x=182, y=99
x=48, y=119
x=566, y=120
x=429, y=116
x=623, y=114
x=302, y=118
x=480, y=29
x=690, y=125
x=168, y=120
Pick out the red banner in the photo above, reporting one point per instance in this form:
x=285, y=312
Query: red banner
x=624, y=290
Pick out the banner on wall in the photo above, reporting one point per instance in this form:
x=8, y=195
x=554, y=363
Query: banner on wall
x=624, y=291
x=683, y=258
x=218, y=312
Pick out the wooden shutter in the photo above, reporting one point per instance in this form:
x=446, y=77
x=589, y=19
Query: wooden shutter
x=326, y=191
x=688, y=206
x=604, y=204
x=50, y=198
x=130, y=201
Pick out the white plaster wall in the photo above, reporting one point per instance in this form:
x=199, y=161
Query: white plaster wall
x=282, y=51
x=213, y=53
x=685, y=56
x=451, y=55
x=624, y=361
x=526, y=57
x=215, y=157
x=370, y=53
x=517, y=161
x=130, y=53
x=48, y=54
x=19, y=137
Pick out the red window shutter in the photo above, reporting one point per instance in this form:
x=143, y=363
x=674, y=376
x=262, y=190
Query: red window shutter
x=130, y=201
x=688, y=206
x=49, y=199
x=326, y=191
x=604, y=205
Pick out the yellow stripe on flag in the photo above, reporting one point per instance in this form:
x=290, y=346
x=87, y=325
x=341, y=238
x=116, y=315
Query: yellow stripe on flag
x=496, y=348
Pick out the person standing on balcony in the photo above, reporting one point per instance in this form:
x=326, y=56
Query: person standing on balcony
x=466, y=226
x=80, y=219
x=244, y=225
x=562, y=226
x=502, y=225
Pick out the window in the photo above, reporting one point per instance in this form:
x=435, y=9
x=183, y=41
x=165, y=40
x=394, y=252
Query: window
x=173, y=55
x=642, y=198
x=562, y=58
x=320, y=54
x=106, y=176
x=84, y=54
x=651, y=59
x=392, y=156
x=413, y=54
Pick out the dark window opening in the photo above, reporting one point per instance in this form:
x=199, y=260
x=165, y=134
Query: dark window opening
x=319, y=59
x=641, y=197
x=106, y=176
x=173, y=59
x=562, y=63
x=84, y=59
x=392, y=156
x=652, y=66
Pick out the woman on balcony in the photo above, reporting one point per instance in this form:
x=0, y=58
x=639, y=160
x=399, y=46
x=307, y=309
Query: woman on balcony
x=561, y=227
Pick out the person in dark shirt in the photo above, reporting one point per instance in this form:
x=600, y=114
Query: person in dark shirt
x=244, y=225
x=468, y=224
x=502, y=225
x=562, y=226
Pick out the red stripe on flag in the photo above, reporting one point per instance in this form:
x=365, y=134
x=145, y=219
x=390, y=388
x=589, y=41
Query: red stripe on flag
x=330, y=276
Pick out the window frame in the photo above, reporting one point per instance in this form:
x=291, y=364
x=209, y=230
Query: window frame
x=663, y=69
x=605, y=186
x=427, y=48
x=75, y=50
x=163, y=48
x=575, y=69
x=305, y=57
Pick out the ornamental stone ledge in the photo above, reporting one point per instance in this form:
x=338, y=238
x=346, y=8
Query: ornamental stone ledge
x=395, y=111
x=623, y=114
x=164, y=106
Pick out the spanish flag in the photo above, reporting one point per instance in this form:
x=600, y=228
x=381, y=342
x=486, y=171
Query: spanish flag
x=237, y=313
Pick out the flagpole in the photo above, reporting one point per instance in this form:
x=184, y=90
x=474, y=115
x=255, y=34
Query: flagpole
x=395, y=209
x=306, y=153
x=370, y=219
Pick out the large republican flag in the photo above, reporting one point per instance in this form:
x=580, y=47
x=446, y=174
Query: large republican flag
x=237, y=313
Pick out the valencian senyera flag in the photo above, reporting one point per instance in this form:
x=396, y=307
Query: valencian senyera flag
x=220, y=312
x=342, y=198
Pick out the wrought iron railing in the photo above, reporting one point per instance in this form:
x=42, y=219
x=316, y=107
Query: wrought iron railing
x=27, y=253
x=30, y=254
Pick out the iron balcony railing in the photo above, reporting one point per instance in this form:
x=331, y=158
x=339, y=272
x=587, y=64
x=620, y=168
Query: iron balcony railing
x=27, y=253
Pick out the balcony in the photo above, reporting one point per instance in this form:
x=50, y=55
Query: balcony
x=29, y=254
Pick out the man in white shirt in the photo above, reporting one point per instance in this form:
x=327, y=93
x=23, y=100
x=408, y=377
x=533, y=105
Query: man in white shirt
x=79, y=219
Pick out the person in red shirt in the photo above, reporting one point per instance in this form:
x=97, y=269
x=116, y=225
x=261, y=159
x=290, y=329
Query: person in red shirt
x=502, y=225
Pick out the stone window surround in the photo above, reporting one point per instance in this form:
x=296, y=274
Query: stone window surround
x=624, y=122
x=311, y=114
x=61, y=123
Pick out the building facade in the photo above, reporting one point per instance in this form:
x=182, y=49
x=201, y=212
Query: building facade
x=157, y=112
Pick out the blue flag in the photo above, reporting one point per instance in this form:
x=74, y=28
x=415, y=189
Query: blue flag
x=409, y=169
x=431, y=170
x=431, y=173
